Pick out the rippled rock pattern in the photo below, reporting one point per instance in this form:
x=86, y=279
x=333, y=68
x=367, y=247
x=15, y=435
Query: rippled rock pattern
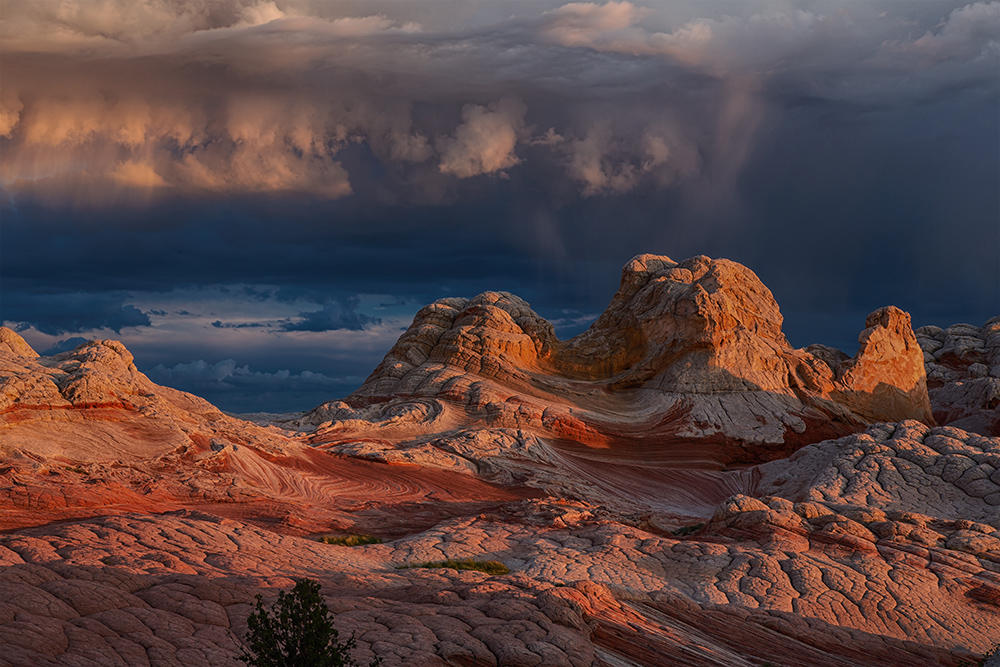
x=85, y=433
x=794, y=583
x=687, y=368
x=675, y=486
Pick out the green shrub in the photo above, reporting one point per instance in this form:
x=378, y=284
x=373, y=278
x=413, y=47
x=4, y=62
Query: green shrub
x=687, y=530
x=350, y=540
x=487, y=566
x=296, y=632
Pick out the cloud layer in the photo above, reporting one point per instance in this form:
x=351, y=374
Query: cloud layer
x=102, y=98
x=270, y=185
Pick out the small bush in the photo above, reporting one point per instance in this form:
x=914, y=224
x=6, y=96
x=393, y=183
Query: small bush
x=487, y=566
x=684, y=531
x=296, y=632
x=350, y=540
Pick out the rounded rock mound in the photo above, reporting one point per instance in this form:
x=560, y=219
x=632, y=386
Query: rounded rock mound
x=688, y=362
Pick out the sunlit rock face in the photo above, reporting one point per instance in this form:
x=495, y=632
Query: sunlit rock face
x=84, y=432
x=44, y=399
x=963, y=373
x=688, y=363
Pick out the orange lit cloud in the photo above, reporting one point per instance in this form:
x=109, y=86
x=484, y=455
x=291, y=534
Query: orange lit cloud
x=484, y=143
x=260, y=96
x=138, y=174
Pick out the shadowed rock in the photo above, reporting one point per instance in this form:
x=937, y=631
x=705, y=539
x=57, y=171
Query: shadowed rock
x=963, y=373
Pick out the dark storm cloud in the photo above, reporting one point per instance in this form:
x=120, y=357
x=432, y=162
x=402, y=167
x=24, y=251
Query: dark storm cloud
x=333, y=316
x=57, y=314
x=227, y=371
x=270, y=161
x=241, y=389
x=219, y=324
x=330, y=317
x=270, y=97
x=64, y=346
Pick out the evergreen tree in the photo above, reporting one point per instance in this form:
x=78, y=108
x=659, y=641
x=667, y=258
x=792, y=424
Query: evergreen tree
x=297, y=632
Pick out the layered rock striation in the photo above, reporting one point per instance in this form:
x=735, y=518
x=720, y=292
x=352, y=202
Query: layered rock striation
x=84, y=433
x=688, y=365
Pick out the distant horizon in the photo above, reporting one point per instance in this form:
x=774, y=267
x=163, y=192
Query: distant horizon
x=257, y=199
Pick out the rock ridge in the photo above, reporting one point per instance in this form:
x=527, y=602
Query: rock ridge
x=687, y=355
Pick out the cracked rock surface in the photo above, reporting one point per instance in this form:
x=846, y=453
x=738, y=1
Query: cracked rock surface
x=874, y=549
x=175, y=589
x=963, y=374
x=676, y=486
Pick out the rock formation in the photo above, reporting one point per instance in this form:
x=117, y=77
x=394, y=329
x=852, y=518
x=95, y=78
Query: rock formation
x=688, y=365
x=140, y=521
x=807, y=578
x=963, y=374
x=85, y=433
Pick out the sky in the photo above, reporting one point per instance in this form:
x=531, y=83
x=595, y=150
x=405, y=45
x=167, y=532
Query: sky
x=256, y=197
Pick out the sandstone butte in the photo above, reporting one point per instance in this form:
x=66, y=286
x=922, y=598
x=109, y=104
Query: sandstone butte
x=675, y=486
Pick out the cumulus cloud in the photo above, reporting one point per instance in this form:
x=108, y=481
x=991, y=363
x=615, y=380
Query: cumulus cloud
x=138, y=175
x=970, y=32
x=264, y=144
x=484, y=142
x=592, y=25
x=726, y=41
x=853, y=42
x=591, y=163
x=251, y=96
x=261, y=13
x=56, y=25
x=10, y=114
x=606, y=162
